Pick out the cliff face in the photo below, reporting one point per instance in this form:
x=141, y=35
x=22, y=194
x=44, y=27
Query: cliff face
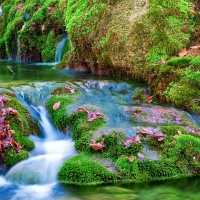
x=30, y=30
x=116, y=37
x=121, y=37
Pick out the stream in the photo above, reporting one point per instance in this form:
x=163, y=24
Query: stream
x=35, y=178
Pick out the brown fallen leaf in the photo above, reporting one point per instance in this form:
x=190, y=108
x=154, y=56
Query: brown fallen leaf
x=149, y=99
x=183, y=52
x=195, y=47
x=82, y=110
x=130, y=159
x=97, y=146
x=56, y=105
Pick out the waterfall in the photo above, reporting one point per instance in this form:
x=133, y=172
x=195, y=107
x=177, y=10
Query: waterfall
x=59, y=49
x=50, y=152
x=19, y=44
x=1, y=11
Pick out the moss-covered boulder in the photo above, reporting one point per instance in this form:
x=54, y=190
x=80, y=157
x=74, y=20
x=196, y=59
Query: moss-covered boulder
x=153, y=154
x=80, y=170
x=21, y=126
x=122, y=36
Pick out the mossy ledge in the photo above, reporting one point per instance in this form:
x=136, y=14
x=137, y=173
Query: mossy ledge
x=178, y=153
x=23, y=126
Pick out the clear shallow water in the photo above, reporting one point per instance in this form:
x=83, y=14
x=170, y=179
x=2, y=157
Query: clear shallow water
x=111, y=96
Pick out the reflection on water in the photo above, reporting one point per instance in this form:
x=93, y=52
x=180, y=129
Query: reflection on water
x=37, y=72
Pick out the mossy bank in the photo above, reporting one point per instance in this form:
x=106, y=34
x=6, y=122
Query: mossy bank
x=21, y=126
x=112, y=157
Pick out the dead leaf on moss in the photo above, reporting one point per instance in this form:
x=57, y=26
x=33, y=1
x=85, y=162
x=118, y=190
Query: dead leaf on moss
x=56, y=105
x=97, y=146
x=195, y=47
x=149, y=99
x=183, y=52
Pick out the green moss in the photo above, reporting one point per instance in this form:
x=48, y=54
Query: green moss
x=48, y=53
x=170, y=16
x=114, y=146
x=192, y=79
x=82, y=130
x=59, y=116
x=184, y=95
x=142, y=171
x=139, y=95
x=80, y=170
x=195, y=63
x=12, y=158
x=22, y=124
x=180, y=62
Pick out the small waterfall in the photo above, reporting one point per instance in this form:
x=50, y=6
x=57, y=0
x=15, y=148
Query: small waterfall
x=59, y=49
x=50, y=152
x=1, y=10
x=19, y=44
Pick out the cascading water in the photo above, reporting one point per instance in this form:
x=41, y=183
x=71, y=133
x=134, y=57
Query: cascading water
x=37, y=178
x=59, y=49
x=0, y=10
x=45, y=160
x=19, y=44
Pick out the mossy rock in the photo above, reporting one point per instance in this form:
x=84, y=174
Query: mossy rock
x=80, y=170
x=59, y=116
x=12, y=158
x=183, y=95
x=180, y=62
x=195, y=63
x=21, y=125
x=142, y=171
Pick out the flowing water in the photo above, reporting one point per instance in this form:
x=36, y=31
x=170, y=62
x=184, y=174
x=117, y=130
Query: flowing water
x=35, y=178
x=59, y=49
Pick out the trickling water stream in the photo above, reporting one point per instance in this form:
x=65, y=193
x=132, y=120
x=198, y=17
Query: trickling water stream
x=35, y=178
x=59, y=49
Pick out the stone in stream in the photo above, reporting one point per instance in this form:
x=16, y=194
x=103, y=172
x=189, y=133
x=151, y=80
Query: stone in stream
x=158, y=115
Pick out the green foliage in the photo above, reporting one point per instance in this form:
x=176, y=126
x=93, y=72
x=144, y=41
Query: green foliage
x=147, y=170
x=12, y=158
x=37, y=18
x=79, y=22
x=66, y=47
x=167, y=19
x=80, y=170
x=139, y=95
x=114, y=146
x=22, y=124
x=187, y=148
x=82, y=130
x=195, y=63
x=59, y=116
x=184, y=95
x=180, y=62
x=48, y=53
x=193, y=79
